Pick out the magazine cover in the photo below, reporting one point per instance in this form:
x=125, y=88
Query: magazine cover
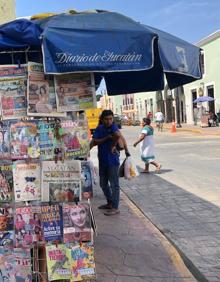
x=58, y=262
x=23, y=265
x=13, y=86
x=76, y=222
x=24, y=140
x=5, y=140
x=6, y=226
x=52, y=222
x=41, y=95
x=7, y=265
x=6, y=182
x=47, y=140
x=87, y=182
x=27, y=182
x=27, y=226
x=75, y=91
x=75, y=139
x=82, y=262
x=61, y=181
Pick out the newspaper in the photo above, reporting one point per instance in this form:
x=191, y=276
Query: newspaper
x=61, y=182
x=75, y=92
x=41, y=95
x=13, y=88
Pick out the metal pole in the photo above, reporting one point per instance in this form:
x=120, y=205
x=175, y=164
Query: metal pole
x=177, y=100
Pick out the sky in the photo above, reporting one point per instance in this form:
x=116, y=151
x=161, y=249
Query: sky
x=190, y=20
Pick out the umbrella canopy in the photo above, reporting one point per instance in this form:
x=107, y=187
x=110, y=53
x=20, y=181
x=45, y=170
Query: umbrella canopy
x=203, y=99
x=130, y=56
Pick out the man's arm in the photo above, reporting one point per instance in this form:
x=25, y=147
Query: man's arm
x=99, y=141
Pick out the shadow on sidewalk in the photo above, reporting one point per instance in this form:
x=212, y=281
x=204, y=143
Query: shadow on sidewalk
x=190, y=222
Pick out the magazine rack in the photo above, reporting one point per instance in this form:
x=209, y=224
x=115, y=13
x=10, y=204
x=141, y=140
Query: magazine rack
x=31, y=126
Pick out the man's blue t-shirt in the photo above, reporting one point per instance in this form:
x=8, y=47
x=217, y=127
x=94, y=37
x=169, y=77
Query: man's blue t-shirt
x=105, y=156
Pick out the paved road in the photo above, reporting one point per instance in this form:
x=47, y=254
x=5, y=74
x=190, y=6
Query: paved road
x=184, y=200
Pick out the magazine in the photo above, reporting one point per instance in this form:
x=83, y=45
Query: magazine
x=24, y=140
x=58, y=262
x=47, y=140
x=13, y=86
x=75, y=139
x=6, y=226
x=75, y=92
x=82, y=262
x=61, y=182
x=87, y=181
x=52, y=222
x=5, y=140
x=41, y=95
x=15, y=265
x=27, y=182
x=77, y=222
x=27, y=226
x=6, y=181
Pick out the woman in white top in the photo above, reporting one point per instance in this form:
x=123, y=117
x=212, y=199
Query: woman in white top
x=147, y=146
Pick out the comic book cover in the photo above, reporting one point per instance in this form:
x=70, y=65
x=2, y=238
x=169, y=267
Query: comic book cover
x=27, y=226
x=87, y=181
x=82, y=262
x=75, y=139
x=41, y=94
x=6, y=181
x=61, y=181
x=58, y=262
x=27, y=182
x=76, y=222
x=5, y=140
x=52, y=222
x=6, y=226
x=24, y=140
x=47, y=140
x=13, y=88
x=75, y=92
x=15, y=265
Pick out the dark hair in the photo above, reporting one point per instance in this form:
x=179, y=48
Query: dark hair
x=44, y=88
x=147, y=121
x=106, y=113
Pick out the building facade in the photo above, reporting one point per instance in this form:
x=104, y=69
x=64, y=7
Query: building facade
x=7, y=11
x=209, y=85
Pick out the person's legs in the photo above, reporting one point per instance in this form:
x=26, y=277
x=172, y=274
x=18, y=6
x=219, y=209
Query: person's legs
x=113, y=178
x=103, y=175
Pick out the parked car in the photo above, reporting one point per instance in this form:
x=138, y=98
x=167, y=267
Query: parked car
x=118, y=121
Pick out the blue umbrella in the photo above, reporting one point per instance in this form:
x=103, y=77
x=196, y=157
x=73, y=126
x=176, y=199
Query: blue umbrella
x=203, y=99
x=130, y=56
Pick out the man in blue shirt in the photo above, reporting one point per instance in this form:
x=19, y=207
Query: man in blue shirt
x=106, y=136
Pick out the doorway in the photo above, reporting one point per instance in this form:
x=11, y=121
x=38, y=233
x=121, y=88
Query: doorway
x=210, y=92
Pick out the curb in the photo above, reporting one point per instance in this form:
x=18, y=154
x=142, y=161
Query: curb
x=197, y=131
x=174, y=251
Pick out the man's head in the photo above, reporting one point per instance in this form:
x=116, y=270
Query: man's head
x=107, y=118
x=146, y=121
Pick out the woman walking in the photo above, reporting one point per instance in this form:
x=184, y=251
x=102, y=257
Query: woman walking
x=147, y=146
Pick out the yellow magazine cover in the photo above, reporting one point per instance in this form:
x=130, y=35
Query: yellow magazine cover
x=82, y=262
x=58, y=262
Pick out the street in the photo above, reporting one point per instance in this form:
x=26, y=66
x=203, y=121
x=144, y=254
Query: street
x=183, y=201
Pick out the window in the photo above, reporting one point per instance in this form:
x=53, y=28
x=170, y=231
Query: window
x=202, y=63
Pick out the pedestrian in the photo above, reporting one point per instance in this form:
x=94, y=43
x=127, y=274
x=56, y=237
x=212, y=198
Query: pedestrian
x=147, y=146
x=159, y=117
x=150, y=115
x=106, y=137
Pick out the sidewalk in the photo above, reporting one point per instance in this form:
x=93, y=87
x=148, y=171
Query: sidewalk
x=129, y=248
x=195, y=129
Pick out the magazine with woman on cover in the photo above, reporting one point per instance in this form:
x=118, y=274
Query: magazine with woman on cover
x=77, y=222
x=13, y=88
x=6, y=226
x=75, y=92
x=41, y=95
x=61, y=181
x=27, y=184
x=24, y=139
x=5, y=140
